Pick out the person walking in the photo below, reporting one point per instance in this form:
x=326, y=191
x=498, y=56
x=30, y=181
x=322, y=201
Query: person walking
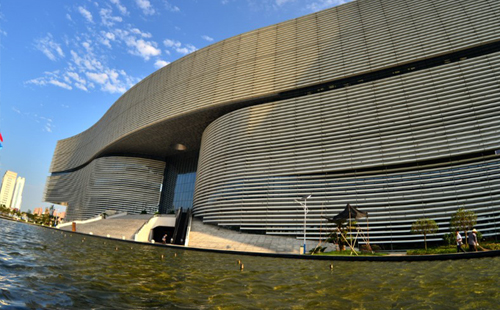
x=473, y=240
x=477, y=242
x=459, y=242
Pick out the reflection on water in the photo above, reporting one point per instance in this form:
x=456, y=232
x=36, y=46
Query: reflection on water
x=44, y=268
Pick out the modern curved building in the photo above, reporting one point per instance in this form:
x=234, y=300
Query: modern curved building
x=392, y=106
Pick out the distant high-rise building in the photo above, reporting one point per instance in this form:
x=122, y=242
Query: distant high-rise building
x=7, y=191
x=61, y=214
x=18, y=193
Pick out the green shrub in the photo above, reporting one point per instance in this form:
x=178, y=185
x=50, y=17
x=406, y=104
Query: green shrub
x=440, y=250
x=374, y=247
x=450, y=239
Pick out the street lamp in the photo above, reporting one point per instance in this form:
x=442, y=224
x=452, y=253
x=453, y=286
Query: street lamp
x=303, y=202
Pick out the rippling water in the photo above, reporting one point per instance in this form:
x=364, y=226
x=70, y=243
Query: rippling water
x=42, y=268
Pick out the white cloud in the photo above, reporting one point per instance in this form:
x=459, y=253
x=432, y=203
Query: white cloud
x=207, y=38
x=179, y=47
x=161, y=63
x=48, y=122
x=87, y=46
x=107, y=19
x=187, y=49
x=75, y=76
x=171, y=7
x=105, y=42
x=81, y=86
x=322, y=4
x=281, y=2
x=86, y=14
x=38, y=81
x=172, y=43
x=146, y=7
x=138, y=46
x=46, y=119
x=106, y=38
x=113, y=88
x=88, y=66
x=142, y=34
x=83, y=72
x=87, y=62
x=51, y=78
x=120, y=7
x=111, y=80
x=144, y=49
x=109, y=35
x=60, y=84
x=147, y=49
x=49, y=47
x=99, y=78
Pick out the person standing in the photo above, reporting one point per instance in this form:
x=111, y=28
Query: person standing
x=459, y=242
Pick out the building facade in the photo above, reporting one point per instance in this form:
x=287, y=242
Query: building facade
x=389, y=105
x=17, y=197
x=7, y=190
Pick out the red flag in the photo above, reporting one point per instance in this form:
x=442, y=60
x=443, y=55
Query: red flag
x=1, y=138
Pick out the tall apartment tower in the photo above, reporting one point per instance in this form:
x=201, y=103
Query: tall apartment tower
x=8, y=185
x=18, y=193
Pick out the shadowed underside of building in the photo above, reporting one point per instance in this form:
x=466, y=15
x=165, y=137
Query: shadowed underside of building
x=389, y=105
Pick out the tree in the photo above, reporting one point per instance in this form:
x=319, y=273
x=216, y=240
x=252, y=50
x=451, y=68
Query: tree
x=337, y=236
x=424, y=226
x=463, y=220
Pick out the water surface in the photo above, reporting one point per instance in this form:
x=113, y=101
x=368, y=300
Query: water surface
x=43, y=268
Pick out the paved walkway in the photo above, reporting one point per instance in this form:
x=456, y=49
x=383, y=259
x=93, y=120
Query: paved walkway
x=121, y=227
x=201, y=235
x=214, y=237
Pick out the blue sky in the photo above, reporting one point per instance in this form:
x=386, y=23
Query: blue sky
x=64, y=63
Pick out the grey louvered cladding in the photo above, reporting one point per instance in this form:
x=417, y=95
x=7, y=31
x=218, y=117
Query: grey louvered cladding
x=389, y=105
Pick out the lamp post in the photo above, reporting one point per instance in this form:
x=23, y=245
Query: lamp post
x=304, y=205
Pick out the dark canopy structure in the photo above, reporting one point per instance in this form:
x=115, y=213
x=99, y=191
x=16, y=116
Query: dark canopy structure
x=349, y=212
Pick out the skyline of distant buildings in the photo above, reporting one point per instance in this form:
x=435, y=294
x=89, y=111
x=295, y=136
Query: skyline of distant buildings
x=18, y=193
x=11, y=192
x=40, y=211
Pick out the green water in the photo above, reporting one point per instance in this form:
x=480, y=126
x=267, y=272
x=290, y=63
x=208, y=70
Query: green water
x=46, y=269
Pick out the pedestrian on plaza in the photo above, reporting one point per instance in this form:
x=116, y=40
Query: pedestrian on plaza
x=477, y=242
x=473, y=240
x=459, y=242
x=164, y=239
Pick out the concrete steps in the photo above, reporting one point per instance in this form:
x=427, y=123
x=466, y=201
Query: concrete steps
x=123, y=226
x=214, y=237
